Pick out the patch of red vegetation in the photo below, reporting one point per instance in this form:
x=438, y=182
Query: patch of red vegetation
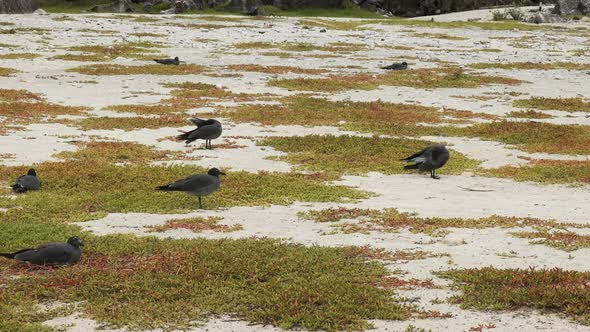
x=393, y=282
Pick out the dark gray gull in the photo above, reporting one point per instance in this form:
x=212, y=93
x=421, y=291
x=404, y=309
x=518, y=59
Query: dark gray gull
x=429, y=159
x=396, y=66
x=174, y=61
x=199, y=184
x=27, y=182
x=54, y=253
x=206, y=129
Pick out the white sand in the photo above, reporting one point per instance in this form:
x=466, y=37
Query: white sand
x=410, y=193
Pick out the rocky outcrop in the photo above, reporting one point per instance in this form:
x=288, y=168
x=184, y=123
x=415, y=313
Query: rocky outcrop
x=117, y=6
x=572, y=7
x=410, y=8
x=251, y=6
x=246, y=6
x=122, y=6
x=293, y=4
x=17, y=6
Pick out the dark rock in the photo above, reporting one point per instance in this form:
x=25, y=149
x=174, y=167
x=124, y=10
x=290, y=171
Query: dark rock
x=246, y=7
x=572, y=7
x=293, y=4
x=122, y=6
x=18, y=6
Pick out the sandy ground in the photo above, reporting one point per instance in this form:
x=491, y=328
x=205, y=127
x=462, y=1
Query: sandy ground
x=448, y=197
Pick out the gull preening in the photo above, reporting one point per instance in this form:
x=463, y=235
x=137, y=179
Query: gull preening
x=206, y=129
x=429, y=159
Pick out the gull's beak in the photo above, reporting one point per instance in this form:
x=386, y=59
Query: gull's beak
x=221, y=173
x=81, y=243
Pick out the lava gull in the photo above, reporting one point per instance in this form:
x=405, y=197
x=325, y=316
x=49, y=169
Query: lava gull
x=54, y=253
x=206, y=129
x=396, y=66
x=27, y=182
x=199, y=184
x=429, y=159
x=174, y=61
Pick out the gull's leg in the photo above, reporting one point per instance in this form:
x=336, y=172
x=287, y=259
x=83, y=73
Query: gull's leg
x=433, y=175
x=200, y=203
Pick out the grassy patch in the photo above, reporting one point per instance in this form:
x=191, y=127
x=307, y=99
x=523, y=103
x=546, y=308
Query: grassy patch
x=529, y=114
x=546, y=171
x=419, y=78
x=211, y=26
x=279, y=54
x=398, y=255
x=391, y=220
x=253, y=45
x=560, y=104
x=93, y=182
x=197, y=225
x=533, y=136
x=13, y=31
x=334, y=25
x=564, y=240
x=148, y=34
x=137, y=50
x=375, y=117
x=7, y=71
x=552, y=290
x=531, y=65
x=360, y=154
x=132, y=123
x=144, y=19
x=217, y=18
x=276, y=69
x=152, y=109
x=475, y=97
x=63, y=18
x=101, y=31
x=117, y=152
x=18, y=56
x=185, y=96
x=21, y=107
x=123, y=281
x=194, y=94
x=81, y=57
x=439, y=36
x=152, y=69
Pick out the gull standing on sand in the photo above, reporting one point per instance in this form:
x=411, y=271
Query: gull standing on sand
x=198, y=184
x=429, y=159
x=54, y=253
x=206, y=129
x=27, y=182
